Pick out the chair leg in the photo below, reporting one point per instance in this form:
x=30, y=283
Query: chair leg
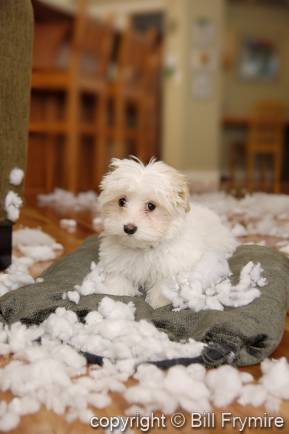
x=153, y=118
x=250, y=170
x=72, y=140
x=277, y=172
x=141, y=145
x=51, y=110
x=100, y=150
x=232, y=166
x=119, y=146
x=50, y=163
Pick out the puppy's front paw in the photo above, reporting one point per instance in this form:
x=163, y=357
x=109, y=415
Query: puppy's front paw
x=155, y=298
x=118, y=285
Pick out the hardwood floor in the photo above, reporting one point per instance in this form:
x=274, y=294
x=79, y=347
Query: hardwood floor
x=46, y=422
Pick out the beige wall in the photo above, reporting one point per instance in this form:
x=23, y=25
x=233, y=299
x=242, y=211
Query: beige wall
x=191, y=126
x=239, y=96
x=263, y=21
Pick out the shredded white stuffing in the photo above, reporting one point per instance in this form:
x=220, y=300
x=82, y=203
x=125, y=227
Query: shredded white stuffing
x=16, y=275
x=65, y=199
x=96, y=222
x=36, y=244
x=257, y=213
x=68, y=224
x=113, y=332
x=73, y=296
x=32, y=237
x=196, y=389
x=13, y=203
x=55, y=374
x=207, y=287
x=16, y=176
x=239, y=230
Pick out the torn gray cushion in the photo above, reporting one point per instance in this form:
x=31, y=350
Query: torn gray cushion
x=240, y=336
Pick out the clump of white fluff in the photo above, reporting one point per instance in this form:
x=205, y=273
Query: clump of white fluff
x=66, y=199
x=68, y=224
x=113, y=332
x=257, y=213
x=36, y=244
x=209, y=286
x=179, y=387
x=16, y=176
x=47, y=369
x=196, y=389
x=13, y=203
x=93, y=283
x=16, y=276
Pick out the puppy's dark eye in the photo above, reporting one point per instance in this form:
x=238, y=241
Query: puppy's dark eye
x=150, y=206
x=122, y=202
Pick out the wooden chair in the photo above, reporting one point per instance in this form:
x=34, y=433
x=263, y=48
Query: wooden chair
x=129, y=91
x=266, y=137
x=150, y=126
x=90, y=49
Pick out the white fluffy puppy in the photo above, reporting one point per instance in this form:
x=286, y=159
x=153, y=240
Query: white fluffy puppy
x=151, y=230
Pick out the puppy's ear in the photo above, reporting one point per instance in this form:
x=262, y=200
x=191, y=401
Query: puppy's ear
x=184, y=196
x=114, y=164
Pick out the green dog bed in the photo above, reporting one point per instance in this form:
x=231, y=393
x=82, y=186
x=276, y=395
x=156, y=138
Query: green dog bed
x=238, y=336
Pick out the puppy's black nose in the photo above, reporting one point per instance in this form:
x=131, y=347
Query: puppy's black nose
x=130, y=229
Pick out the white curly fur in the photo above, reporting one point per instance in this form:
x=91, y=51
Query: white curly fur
x=170, y=239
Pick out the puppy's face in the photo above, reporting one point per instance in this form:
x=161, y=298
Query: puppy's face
x=142, y=205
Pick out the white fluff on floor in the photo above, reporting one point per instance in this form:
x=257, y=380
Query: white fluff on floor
x=65, y=199
x=196, y=389
x=36, y=244
x=53, y=373
x=68, y=224
x=16, y=176
x=12, y=205
x=257, y=213
x=207, y=287
x=16, y=275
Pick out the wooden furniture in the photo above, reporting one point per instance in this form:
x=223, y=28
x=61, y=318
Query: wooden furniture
x=151, y=126
x=129, y=93
x=63, y=88
x=266, y=136
x=266, y=126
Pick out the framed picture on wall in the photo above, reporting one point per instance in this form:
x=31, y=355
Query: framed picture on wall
x=259, y=59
